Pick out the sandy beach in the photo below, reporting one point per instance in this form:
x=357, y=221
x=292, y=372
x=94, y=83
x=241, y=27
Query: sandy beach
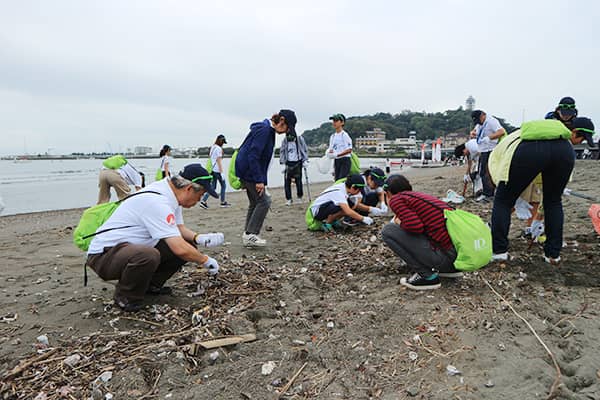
x=327, y=311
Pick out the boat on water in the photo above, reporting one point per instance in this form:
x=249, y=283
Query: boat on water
x=21, y=159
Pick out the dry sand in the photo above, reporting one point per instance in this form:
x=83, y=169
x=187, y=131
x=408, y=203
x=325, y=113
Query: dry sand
x=330, y=303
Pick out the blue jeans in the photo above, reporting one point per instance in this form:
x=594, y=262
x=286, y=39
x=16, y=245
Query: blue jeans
x=554, y=159
x=217, y=177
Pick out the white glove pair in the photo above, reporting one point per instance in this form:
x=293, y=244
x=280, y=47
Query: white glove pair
x=466, y=178
x=210, y=239
x=212, y=266
x=522, y=209
x=367, y=220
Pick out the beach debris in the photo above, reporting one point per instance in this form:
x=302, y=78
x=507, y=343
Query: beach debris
x=104, y=377
x=299, y=342
x=276, y=382
x=41, y=396
x=489, y=384
x=43, y=341
x=412, y=391
x=453, y=197
x=10, y=317
x=195, y=348
x=267, y=368
x=330, y=325
x=412, y=356
x=200, y=290
x=303, y=270
x=213, y=356
x=97, y=394
x=451, y=370
x=108, y=396
x=199, y=317
x=72, y=360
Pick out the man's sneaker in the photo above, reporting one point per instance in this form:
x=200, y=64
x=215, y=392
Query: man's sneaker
x=299, y=200
x=553, y=261
x=417, y=282
x=252, y=240
x=127, y=305
x=484, y=199
x=450, y=274
x=350, y=221
x=288, y=202
x=225, y=204
x=500, y=257
x=204, y=205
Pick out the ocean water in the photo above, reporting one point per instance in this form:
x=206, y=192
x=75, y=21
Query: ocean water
x=43, y=185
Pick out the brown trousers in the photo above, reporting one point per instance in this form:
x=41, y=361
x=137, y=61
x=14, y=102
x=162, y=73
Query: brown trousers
x=136, y=267
x=111, y=178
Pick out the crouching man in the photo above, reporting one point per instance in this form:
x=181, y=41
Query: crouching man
x=144, y=242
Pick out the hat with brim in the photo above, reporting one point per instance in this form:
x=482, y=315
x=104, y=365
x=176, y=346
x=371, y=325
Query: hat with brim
x=290, y=120
x=222, y=137
x=200, y=176
x=378, y=176
x=584, y=127
x=338, y=117
x=356, y=181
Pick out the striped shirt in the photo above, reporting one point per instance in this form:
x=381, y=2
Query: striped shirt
x=422, y=213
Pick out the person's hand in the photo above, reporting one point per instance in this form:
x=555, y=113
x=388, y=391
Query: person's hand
x=210, y=239
x=260, y=188
x=330, y=154
x=537, y=228
x=384, y=208
x=367, y=220
x=473, y=133
x=376, y=212
x=305, y=164
x=522, y=209
x=466, y=178
x=212, y=266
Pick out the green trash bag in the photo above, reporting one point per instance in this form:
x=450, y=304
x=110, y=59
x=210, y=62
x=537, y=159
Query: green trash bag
x=234, y=181
x=471, y=238
x=311, y=223
x=114, y=162
x=354, y=164
x=209, y=166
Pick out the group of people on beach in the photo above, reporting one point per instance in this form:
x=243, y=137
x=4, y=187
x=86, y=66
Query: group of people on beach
x=145, y=240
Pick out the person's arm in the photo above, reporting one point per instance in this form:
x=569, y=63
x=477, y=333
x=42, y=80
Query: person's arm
x=410, y=221
x=182, y=249
x=283, y=152
x=186, y=233
x=219, y=162
x=498, y=134
x=166, y=167
x=350, y=212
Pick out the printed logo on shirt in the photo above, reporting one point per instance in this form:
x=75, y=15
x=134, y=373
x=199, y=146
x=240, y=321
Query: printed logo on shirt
x=171, y=219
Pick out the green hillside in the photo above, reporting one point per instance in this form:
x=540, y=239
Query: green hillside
x=427, y=125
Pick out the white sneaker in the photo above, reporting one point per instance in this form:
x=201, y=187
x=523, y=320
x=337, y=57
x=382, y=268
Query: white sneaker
x=288, y=202
x=299, y=200
x=553, y=261
x=500, y=257
x=252, y=240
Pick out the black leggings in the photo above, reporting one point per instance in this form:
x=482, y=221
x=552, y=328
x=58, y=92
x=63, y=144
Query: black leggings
x=554, y=159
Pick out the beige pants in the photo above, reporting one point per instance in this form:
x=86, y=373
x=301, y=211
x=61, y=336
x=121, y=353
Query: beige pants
x=108, y=178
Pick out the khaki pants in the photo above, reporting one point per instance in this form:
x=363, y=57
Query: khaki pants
x=136, y=267
x=111, y=178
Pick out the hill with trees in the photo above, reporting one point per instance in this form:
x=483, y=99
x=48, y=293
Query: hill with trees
x=426, y=125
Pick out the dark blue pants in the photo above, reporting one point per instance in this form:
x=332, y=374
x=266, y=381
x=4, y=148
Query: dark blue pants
x=293, y=172
x=554, y=159
x=486, y=180
x=341, y=167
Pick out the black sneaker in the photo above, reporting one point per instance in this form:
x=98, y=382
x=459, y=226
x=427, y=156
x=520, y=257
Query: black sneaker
x=127, y=305
x=225, y=204
x=350, y=221
x=417, y=282
x=204, y=205
x=156, y=291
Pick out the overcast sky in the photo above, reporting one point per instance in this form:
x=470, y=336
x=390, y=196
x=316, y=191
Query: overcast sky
x=108, y=75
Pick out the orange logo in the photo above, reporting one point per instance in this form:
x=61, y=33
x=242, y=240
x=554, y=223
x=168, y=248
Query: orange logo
x=171, y=219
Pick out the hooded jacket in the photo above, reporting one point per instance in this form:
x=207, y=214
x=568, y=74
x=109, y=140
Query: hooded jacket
x=302, y=149
x=256, y=153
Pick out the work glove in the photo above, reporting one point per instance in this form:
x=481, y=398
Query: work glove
x=567, y=192
x=376, y=212
x=367, y=220
x=210, y=239
x=330, y=154
x=305, y=164
x=383, y=208
x=522, y=209
x=466, y=178
x=212, y=266
x=537, y=228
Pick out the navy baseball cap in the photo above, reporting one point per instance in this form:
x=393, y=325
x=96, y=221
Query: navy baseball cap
x=222, y=137
x=566, y=106
x=290, y=120
x=197, y=174
x=584, y=127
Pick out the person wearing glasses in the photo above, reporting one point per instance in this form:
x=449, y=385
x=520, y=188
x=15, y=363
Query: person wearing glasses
x=331, y=206
x=537, y=148
x=340, y=147
x=144, y=242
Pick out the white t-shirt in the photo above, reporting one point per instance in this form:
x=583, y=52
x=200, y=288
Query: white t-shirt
x=335, y=193
x=215, y=152
x=131, y=175
x=166, y=160
x=339, y=142
x=150, y=217
x=490, y=125
x=292, y=151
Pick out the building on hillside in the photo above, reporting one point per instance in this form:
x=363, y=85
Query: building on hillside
x=376, y=139
x=454, y=139
x=371, y=138
x=142, y=150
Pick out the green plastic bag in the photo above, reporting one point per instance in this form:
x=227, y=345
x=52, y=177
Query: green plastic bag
x=93, y=218
x=311, y=223
x=471, y=238
x=114, y=162
x=159, y=175
x=234, y=181
x=354, y=164
x=209, y=165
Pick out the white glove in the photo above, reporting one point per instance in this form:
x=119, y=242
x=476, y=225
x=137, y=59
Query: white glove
x=210, y=239
x=284, y=170
x=212, y=266
x=383, y=208
x=567, y=192
x=466, y=178
x=305, y=164
x=367, y=220
x=330, y=154
x=522, y=209
x=376, y=212
x=537, y=228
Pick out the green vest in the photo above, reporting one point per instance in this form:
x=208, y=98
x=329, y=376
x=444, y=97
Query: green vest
x=547, y=129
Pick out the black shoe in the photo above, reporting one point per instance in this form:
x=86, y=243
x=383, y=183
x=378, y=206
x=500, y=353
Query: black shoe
x=350, y=221
x=417, y=282
x=156, y=291
x=128, y=305
x=204, y=205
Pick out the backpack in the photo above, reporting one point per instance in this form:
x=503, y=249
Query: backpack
x=159, y=172
x=354, y=164
x=234, y=181
x=311, y=223
x=114, y=162
x=471, y=238
x=93, y=218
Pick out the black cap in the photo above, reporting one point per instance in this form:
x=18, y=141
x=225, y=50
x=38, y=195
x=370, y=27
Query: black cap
x=584, y=127
x=356, y=181
x=378, y=176
x=197, y=174
x=290, y=119
x=222, y=137
x=566, y=106
x=475, y=115
x=338, y=117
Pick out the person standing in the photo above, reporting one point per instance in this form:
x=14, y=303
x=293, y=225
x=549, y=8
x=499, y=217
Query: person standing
x=144, y=242
x=340, y=147
x=165, y=162
x=252, y=165
x=388, y=166
x=216, y=161
x=487, y=132
x=119, y=179
x=564, y=112
x=293, y=155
